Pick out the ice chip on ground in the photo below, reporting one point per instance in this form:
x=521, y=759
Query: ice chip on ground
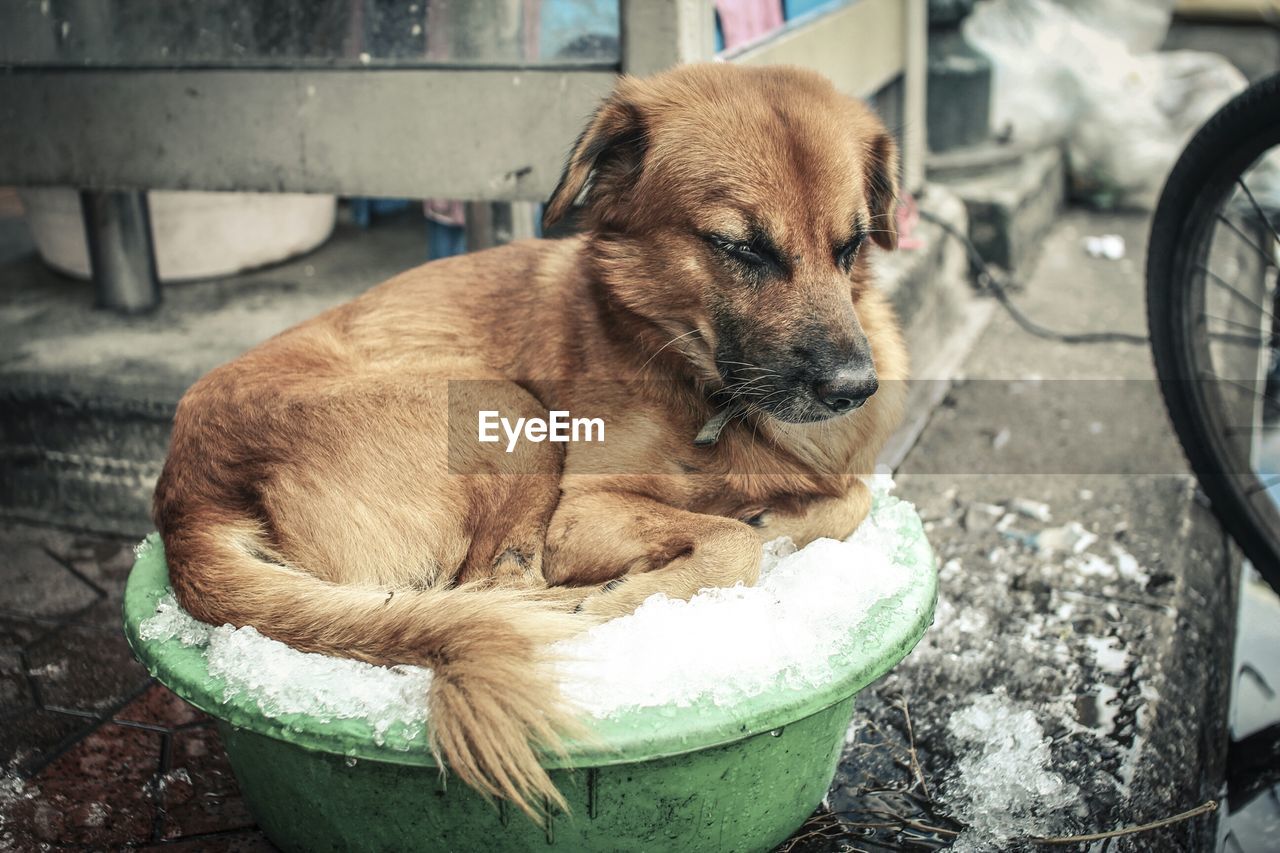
x=1002, y=788
x=96, y=814
x=1128, y=565
x=1109, y=653
x=13, y=790
x=722, y=646
x=1093, y=565
x=980, y=516
x=1071, y=538
x=1031, y=509
x=1107, y=704
x=1125, y=565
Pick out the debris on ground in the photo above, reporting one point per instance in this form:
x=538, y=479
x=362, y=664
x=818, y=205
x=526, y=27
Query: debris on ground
x=981, y=516
x=1108, y=246
x=1031, y=509
x=12, y=791
x=1070, y=538
x=1033, y=711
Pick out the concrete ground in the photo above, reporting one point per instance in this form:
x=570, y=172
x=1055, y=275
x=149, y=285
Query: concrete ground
x=1121, y=652
x=1123, y=663
x=95, y=755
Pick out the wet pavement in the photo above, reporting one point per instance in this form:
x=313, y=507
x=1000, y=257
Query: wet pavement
x=93, y=753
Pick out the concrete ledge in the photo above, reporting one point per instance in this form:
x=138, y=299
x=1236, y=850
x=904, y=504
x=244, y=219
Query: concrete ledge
x=87, y=397
x=1013, y=197
x=940, y=313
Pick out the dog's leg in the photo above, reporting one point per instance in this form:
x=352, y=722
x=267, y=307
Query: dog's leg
x=634, y=547
x=519, y=484
x=835, y=518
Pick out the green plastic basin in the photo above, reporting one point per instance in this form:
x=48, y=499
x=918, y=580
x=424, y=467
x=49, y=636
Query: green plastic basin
x=704, y=777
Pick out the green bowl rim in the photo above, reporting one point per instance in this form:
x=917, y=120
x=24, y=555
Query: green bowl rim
x=641, y=734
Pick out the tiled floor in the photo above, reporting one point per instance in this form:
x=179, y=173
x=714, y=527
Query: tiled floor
x=93, y=753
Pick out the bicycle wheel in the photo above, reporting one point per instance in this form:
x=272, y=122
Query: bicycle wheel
x=1213, y=270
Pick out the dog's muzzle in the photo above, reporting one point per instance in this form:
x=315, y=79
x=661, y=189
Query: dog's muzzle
x=847, y=388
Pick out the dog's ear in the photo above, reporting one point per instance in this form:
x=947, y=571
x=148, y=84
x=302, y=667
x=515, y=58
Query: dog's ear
x=881, y=159
x=606, y=159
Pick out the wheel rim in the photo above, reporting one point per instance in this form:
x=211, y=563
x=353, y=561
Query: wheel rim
x=1227, y=345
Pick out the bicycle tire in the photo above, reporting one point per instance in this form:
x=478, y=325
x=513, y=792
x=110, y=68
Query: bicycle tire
x=1199, y=184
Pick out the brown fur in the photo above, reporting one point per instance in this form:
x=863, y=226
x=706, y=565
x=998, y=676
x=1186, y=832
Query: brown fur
x=308, y=489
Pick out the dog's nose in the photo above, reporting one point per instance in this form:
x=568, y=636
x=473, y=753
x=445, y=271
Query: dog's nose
x=847, y=388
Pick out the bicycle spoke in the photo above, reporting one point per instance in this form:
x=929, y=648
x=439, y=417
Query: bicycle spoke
x=1244, y=238
x=1242, y=340
x=1222, y=282
x=1258, y=208
x=1254, y=391
x=1262, y=487
x=1231, y=322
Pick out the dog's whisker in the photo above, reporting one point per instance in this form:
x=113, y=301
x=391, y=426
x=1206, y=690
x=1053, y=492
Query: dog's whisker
x=733, y=390
x=664, y=346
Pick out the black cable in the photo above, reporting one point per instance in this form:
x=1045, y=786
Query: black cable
x=988, y=283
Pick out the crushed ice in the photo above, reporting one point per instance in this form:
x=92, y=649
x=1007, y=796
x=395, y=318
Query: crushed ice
x=785, y=630
x=1002, y=787
x=13, y=791
x=724, y=645
x=1067, y=665
x=281, y=680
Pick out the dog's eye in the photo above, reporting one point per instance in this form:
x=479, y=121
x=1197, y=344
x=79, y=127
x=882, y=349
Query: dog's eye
x=846, y=254
x=747, y=253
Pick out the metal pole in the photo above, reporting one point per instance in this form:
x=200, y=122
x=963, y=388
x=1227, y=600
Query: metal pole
x=118, y=228
x=915, y=98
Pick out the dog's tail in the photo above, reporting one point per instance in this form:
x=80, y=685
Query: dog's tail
x=493, y=701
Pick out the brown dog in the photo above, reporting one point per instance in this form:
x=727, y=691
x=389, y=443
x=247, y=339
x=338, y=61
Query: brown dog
x=329, y=488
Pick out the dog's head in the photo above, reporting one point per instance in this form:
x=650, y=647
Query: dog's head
x=731, y=206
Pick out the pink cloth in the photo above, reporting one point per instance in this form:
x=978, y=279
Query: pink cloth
x=444, y=211
x=908, y=217
x=743, y=21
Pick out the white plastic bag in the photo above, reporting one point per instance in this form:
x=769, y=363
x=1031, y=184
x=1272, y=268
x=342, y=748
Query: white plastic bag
x=1070, y=72
x=1034, y=95
x=1141, y=24
x=1132, y=129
